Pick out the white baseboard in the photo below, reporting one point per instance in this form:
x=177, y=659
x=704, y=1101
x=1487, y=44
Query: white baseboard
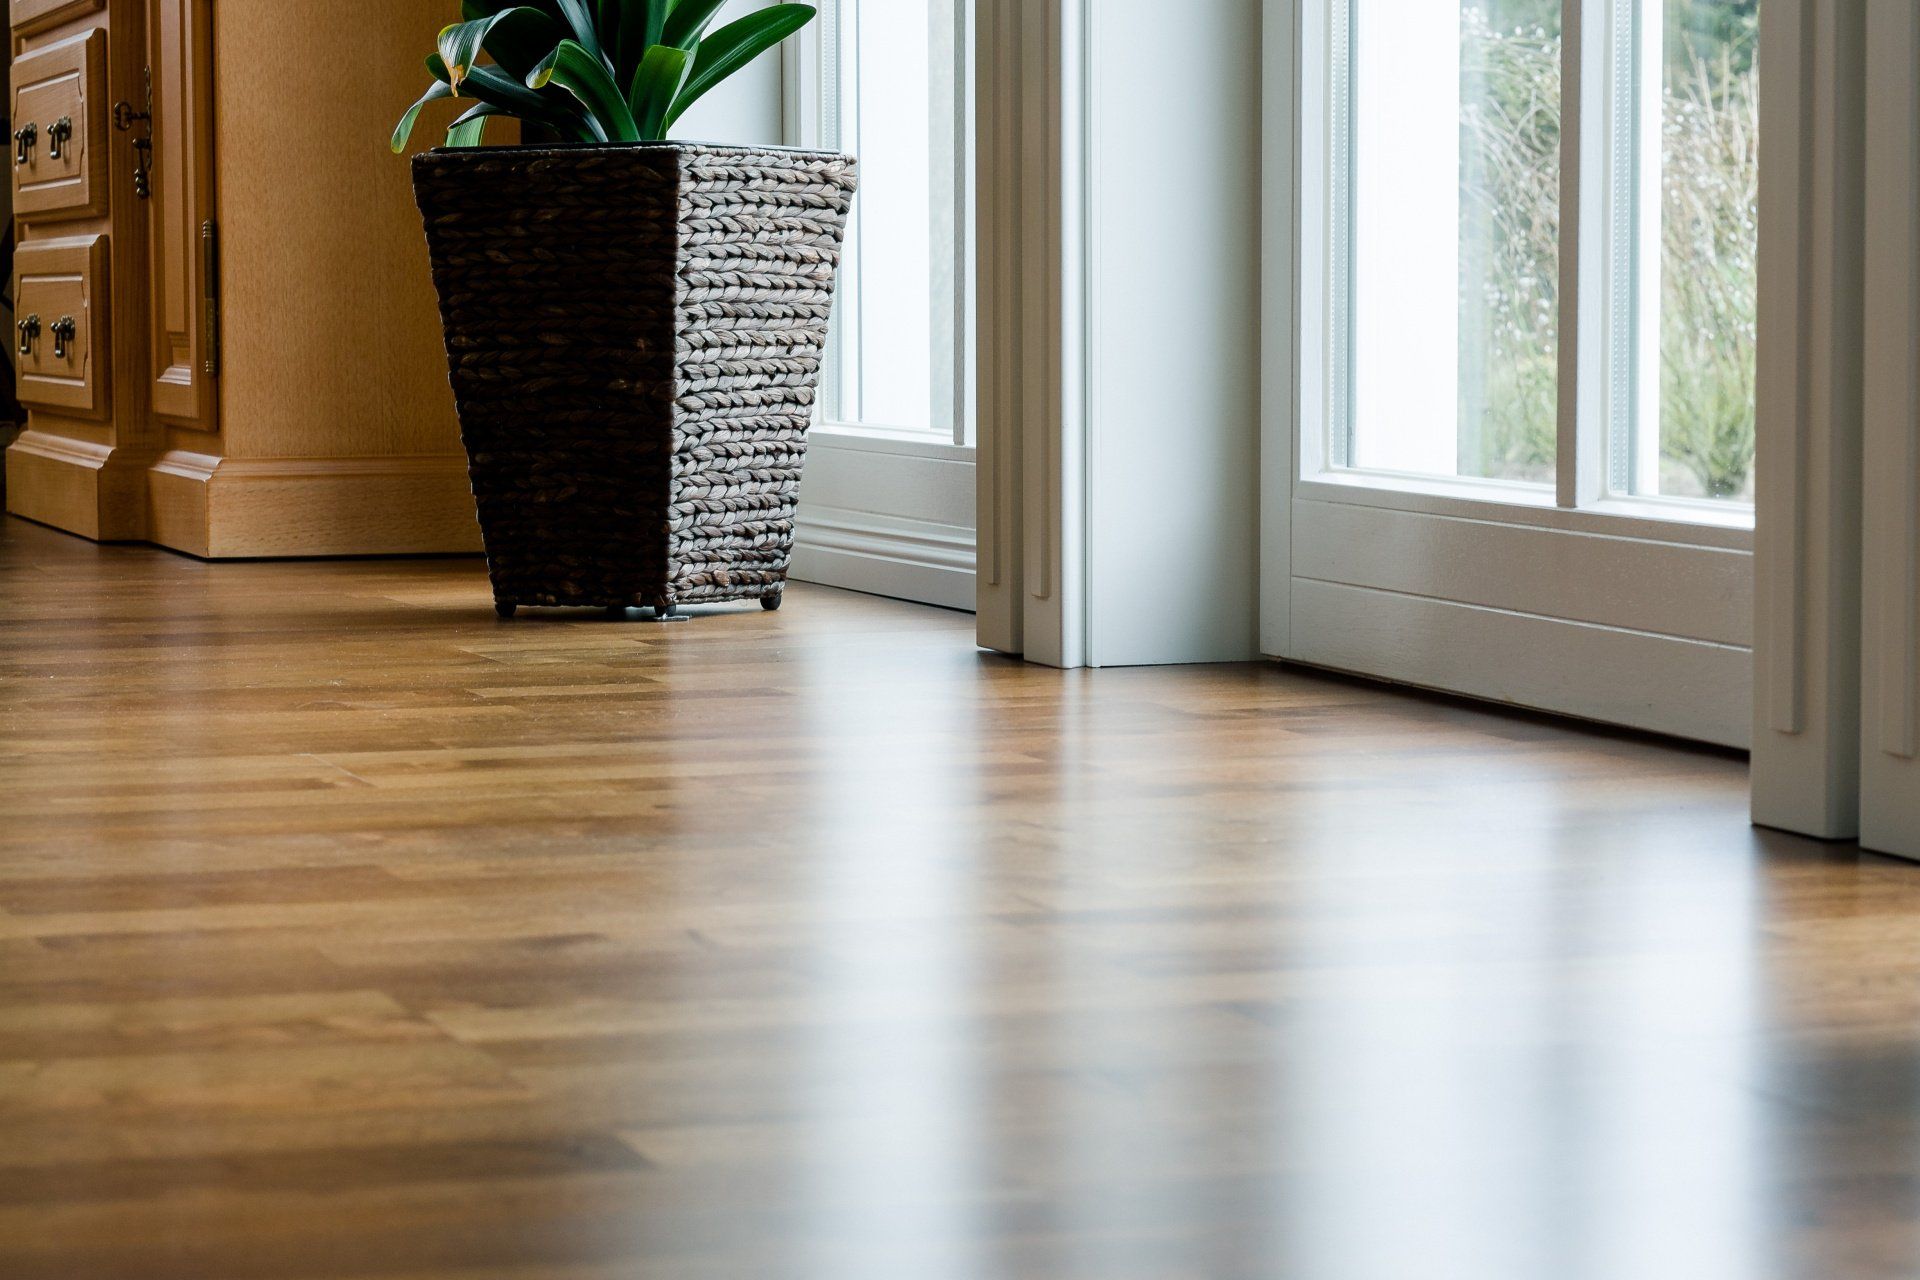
x=886, y=555
x=1686, y=688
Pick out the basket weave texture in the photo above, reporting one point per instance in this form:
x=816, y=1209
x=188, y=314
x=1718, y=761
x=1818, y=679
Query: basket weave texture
x=634, y=335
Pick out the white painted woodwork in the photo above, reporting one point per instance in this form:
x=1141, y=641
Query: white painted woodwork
x=1890, y=577
x=1563, y=599
x=1807, y=623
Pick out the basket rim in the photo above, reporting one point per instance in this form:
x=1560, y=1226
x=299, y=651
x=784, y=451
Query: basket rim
x=669, y=144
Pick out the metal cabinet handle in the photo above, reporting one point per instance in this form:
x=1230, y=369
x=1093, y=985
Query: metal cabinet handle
x=29, y=334
x=63, y=332
x=124, y=118
x=58, y=134
x=24, y=139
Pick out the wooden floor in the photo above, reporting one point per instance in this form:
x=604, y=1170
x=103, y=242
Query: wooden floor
x=346, y=931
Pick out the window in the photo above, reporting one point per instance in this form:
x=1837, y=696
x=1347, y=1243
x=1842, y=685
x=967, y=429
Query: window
x=886, y=80
x=1449, y=280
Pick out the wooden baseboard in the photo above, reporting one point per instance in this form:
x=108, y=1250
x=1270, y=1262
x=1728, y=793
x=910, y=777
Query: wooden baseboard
x=94, y=490
x=235, y=508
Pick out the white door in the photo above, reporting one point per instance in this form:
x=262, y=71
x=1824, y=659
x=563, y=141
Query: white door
x=1514, y=351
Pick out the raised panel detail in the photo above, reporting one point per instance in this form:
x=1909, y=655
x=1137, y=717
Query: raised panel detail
x=35, y=15
x=183, y=238
x=61, y=335
x=60, y=149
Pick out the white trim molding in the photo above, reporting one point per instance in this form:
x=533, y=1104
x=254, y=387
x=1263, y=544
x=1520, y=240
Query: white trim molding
x=1890, y=676
x=890, y=514
x=1806, y=728
x=1030, y=221
x=1119, y=326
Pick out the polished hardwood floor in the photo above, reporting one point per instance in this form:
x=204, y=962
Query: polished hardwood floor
x=346, y=931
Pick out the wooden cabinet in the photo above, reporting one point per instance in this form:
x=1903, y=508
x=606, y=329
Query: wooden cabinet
x=248, y=357
x=61, y=326
x=60, y=130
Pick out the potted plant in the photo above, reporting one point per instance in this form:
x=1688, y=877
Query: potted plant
x=634, y=326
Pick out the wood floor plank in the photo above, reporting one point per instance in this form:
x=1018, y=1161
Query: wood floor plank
x=347, y=931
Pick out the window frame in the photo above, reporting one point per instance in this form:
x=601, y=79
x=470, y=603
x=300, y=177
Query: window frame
x=812, y=116
x=1608, y=416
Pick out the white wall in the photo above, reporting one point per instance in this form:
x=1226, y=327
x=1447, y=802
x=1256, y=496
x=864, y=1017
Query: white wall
x=1173, y=331
x=745, y=108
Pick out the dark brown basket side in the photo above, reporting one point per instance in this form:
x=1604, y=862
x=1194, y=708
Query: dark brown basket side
x=634, y=336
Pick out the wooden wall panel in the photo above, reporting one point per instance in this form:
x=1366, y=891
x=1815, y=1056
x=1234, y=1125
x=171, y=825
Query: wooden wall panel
x=327, y=288
x=182, y=233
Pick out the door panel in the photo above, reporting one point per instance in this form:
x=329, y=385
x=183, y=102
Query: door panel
x=1521, y=417
x=184, y=239
x=35, y=15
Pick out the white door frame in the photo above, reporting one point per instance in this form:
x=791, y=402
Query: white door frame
x=1806, y=756
x=1890, y=680
x=1609, y=609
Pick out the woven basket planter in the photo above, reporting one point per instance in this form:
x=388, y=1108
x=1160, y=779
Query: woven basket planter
x=634, y=334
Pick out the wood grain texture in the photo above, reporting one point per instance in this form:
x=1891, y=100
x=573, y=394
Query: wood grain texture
x=332, y=336
x=59, y=483
x=244, y=507
x=346, y=932
x=185, y=389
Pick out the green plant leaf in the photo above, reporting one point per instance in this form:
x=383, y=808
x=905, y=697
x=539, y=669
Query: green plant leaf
x=468, y=132
x=586, y=31
x=687, y=24
x=657, y=82
x=490, y=84
x=517, y=38
x=581, y=73
x=735, y=45
x=653, y=19
x=471, y=9
x=404, y=130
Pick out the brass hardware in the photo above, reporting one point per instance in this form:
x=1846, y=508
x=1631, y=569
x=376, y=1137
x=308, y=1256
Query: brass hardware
x=210, y=290
x=124, y=118
x=58, y=134
x=29, y=333
x=23, y=139
x=63, y=333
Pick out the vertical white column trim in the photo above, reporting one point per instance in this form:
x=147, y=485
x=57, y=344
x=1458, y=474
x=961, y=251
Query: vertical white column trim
x=1781, y=382
x=1890, y=763
x=1807, y=718
x=1031, y=348
x=1282, y=82
x=1892, y=554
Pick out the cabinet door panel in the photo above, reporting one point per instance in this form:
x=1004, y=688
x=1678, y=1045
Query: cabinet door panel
x=183, y=238
x=60, y=105
x=60, y=307
x=34, y=15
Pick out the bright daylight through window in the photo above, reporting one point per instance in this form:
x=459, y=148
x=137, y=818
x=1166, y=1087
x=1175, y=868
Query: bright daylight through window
x=893, y=92
x=1447, y=241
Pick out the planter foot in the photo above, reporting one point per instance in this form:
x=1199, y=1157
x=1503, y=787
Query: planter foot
x=772, y=603
x=505, y=610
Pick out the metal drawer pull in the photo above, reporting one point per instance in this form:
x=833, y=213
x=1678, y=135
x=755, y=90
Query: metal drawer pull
x=23, y=139
x=58, y=134
x=63, y=331
x=29, y=333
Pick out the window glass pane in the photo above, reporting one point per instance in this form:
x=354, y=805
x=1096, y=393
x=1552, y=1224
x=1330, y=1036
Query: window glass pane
x=894, y=67
x=1451, y=173
x=1708, y=192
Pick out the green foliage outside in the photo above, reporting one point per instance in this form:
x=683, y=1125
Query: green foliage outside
x=1510, y=179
